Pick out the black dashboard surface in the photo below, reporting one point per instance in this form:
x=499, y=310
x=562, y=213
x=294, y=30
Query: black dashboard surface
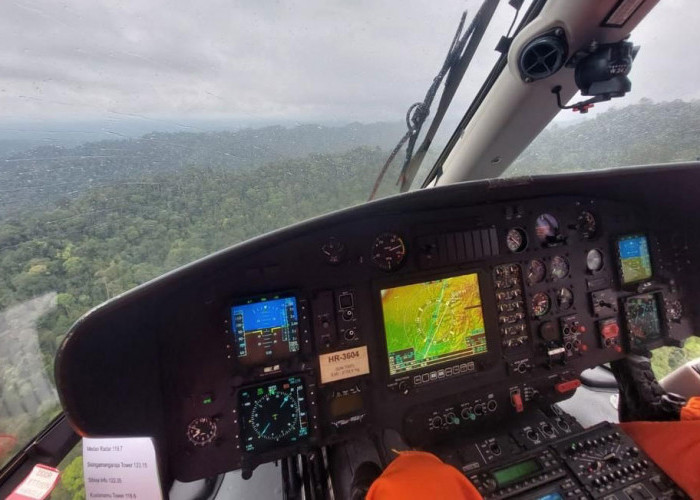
x=449, y=310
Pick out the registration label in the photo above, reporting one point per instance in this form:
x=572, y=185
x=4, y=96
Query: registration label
x=340, y=365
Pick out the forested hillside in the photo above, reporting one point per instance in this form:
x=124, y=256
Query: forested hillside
x=113, y=238
x=635, y=135
x=50, y=173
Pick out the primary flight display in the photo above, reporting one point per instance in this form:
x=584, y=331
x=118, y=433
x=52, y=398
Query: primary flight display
x=433, y=322
x=635, y=262
x=265, y=329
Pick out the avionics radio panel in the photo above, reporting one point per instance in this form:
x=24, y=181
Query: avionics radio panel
x=600, y=462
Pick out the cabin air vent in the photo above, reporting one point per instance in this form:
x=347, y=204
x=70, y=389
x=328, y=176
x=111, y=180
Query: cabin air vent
x=542, y=57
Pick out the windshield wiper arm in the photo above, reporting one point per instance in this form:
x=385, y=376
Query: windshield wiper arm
x=458, y=58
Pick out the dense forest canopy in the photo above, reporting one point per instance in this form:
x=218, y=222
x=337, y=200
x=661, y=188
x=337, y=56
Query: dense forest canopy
x=640, y=134
x=89, y=222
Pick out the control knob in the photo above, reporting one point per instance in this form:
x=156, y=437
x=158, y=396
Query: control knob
x=490, y=485
x=467, y=413
x=595, y=465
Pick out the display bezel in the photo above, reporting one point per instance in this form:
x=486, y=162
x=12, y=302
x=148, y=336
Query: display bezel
x=252, y=299
x=276, y=448
x=481, y=360
x=663, y=332
x=621, y=278
x=522, y=477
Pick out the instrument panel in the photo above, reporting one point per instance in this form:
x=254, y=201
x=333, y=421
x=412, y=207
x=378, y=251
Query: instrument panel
x=439, y=313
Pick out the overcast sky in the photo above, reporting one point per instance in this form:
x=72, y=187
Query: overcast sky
x=271, y=60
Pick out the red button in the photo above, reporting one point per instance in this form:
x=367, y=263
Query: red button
x=610, y=330
x=517, y=401
x=568, y=386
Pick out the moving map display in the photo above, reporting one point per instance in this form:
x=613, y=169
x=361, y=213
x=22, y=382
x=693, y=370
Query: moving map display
x=433, y=322
x=643, y=320
x=635, y=262
x=265, y=329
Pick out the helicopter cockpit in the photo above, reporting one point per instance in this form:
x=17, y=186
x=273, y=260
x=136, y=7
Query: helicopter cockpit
x=467, y=319
x=455, y=324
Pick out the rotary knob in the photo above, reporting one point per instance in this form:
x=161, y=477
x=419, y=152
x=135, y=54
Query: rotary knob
x=436, y=421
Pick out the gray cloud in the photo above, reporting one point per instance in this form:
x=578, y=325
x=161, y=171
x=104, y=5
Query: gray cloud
x=339, y=60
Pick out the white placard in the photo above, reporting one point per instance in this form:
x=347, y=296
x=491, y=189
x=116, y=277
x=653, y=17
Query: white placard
x=343, y=364
x=120, y=468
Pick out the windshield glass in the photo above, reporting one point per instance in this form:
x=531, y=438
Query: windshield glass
x=136, y=137
x=657, y=122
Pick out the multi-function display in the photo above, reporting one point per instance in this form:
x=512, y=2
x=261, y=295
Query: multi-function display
x=643, y=321
x=433, y=322
x=273, y=414
x=635, y=263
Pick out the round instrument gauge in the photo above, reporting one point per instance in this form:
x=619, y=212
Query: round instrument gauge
x=536, y=271
x=565, y=298
x=594, y=260
x=388, y=251
x=275, y=415
x=516, y=241
x=540, y=304
x=586, y=224
x=334, y=251
x=547, y=228
x=559, y=267
x=201, y=431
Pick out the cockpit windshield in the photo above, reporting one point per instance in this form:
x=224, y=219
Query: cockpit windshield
x=138, y=137
x=657, y=122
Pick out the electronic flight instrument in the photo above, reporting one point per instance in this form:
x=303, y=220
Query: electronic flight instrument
x=455, y=316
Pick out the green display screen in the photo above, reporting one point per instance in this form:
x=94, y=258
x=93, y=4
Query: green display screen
x=343, y=405
x=516, y=472
x=433, y=322
x=643, y=319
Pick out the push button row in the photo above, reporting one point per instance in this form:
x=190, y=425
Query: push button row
x=450, y=371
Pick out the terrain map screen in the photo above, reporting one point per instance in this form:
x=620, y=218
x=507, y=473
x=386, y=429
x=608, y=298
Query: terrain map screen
x=433, y=322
